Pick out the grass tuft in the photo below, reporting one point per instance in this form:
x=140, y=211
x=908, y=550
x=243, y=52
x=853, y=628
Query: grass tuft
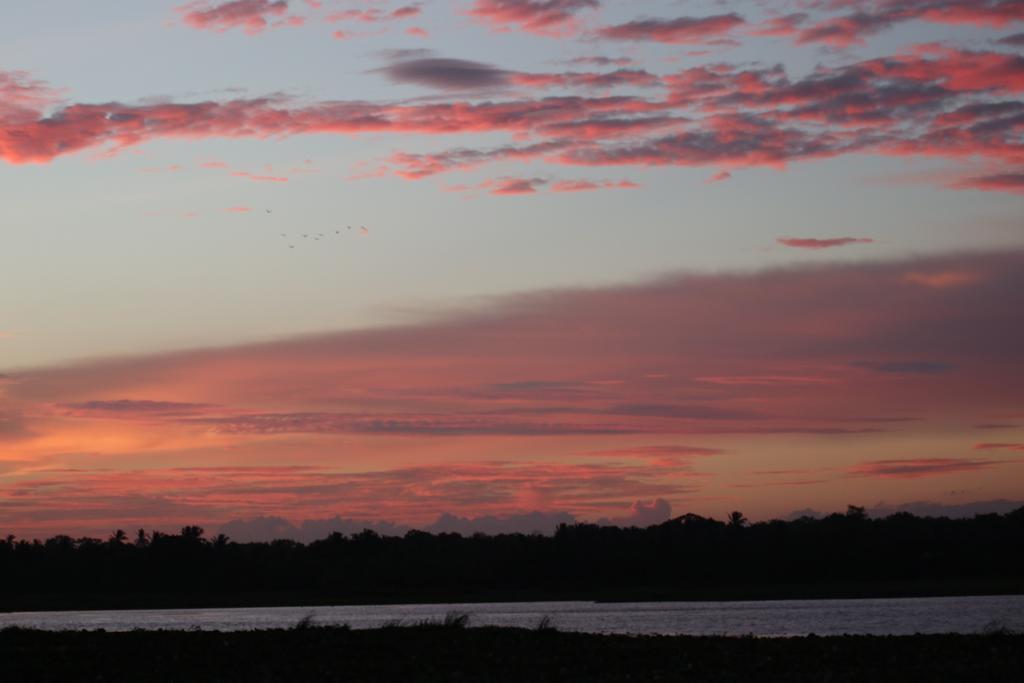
x=546, y=623
x=305, y=623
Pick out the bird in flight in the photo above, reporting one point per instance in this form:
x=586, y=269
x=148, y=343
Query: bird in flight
x=269, y=211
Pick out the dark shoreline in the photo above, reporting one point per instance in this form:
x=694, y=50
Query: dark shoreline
x=447, y=653
x=850, y=591
x=687, y=558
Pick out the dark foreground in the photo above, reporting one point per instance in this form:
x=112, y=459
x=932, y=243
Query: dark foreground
x=451, y=653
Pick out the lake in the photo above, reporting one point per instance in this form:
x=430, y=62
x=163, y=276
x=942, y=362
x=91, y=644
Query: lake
x=897, y=616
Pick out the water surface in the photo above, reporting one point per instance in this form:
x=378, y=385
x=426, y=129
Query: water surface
x=899, y=616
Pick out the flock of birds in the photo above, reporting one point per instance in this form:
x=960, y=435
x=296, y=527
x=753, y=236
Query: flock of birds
x=317, y=236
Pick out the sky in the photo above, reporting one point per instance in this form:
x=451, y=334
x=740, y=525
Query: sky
x=286, y=266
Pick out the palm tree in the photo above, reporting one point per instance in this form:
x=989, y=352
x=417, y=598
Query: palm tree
x=737, y=520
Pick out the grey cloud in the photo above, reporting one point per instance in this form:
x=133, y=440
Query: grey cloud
x=446, y=74
x=642, y=514
x=524, y=523
x=269, y=528
x=138, y=406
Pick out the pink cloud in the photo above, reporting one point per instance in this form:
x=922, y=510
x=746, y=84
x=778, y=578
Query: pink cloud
x=602, y=60
x=761, y=380
x=930, y=101
x=514, y=186
x=785, y=25
x=659, y=452
x=842, y=31
x=417, y=166
x=993, y=13
x=733, y=140
x=132, y=408
x=998, y=182
x=921, y=467
x=601, y=127
x=834, y=342
x=250, y=15
x=521, y=186
x=535, y=16
x=589, y=185
x=611, y=79
x=869, y=17
x=959, y=70
x=999, y=446
x=260, y=178
x=373, y=15
x=22, y=96
x=66, y=500
x=639, y=399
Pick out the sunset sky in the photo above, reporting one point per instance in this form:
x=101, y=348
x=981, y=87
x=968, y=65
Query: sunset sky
x=511, y=261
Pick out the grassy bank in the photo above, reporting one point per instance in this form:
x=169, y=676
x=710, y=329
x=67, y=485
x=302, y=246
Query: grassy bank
x=454, y=653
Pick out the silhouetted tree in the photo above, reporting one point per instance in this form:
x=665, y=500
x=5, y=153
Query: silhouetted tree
x=689, y=555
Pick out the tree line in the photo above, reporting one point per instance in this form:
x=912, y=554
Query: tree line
x=686, y=557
